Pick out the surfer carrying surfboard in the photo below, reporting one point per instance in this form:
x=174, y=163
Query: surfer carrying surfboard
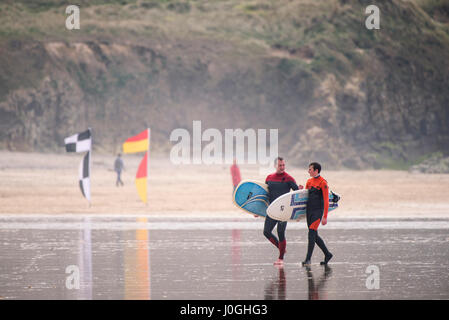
x=316, y=212
x=278, y=183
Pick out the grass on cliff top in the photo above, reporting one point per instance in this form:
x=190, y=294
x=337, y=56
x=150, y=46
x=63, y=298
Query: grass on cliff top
x=306, y=31
x=320, y=36
x=283, y=23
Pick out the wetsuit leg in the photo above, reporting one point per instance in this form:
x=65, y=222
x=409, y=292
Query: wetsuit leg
x=313, y=222
x=268, y=231
x=311, y=245
x=321, y=245
x=282, y=241
x=282, y=225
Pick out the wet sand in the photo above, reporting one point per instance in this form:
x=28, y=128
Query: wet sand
x=48, y=184
x=138, y=258
x=191, y=242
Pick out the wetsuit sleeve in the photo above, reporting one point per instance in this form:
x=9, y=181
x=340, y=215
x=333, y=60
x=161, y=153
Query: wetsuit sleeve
x=325, y=190
x=293, y=185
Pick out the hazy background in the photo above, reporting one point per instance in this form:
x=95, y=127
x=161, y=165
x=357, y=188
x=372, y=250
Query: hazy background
x=338, y=93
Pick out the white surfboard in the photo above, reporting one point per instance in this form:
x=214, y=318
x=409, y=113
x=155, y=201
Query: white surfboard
x=292, y=205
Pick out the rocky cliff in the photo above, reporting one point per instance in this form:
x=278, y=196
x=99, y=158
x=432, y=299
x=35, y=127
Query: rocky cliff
x=338, y=92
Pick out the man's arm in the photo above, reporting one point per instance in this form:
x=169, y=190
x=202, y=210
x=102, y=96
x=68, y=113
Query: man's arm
x=325, y=190
x=294, y=186
x=307, y=185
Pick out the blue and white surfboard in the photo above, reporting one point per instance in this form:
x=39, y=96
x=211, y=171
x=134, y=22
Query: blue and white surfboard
x=252, y=197
x=292, y=205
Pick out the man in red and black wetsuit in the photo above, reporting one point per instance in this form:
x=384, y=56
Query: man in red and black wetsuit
x=316, y=212
x=278, y=183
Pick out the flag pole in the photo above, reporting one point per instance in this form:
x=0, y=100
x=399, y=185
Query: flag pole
x=90, y=166
x=148, y=164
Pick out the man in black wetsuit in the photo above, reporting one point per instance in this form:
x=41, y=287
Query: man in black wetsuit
x=278, y=183
x=317, y=209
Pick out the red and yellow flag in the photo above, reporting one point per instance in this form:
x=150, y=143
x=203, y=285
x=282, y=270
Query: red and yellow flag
x=140, y=143
x=141, y=178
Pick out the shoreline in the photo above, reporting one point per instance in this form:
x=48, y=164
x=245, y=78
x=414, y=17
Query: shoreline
x=38, y=183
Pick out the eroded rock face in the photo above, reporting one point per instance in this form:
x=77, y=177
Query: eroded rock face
x=383, y=101
x=435, y=164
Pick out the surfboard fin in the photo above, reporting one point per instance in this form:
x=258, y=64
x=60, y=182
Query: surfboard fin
x=336, y=197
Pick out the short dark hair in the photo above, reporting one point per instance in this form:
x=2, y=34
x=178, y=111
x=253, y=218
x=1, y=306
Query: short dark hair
x=278, y=159
x=316, y=166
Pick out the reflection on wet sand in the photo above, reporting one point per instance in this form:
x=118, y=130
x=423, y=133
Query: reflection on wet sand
x=85, y=261
x=137, y=266
x=317, y=290
x=196, y=263
x=276, y=289
x=236, y=253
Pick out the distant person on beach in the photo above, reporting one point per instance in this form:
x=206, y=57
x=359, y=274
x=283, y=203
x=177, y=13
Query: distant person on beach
x=235, y=174
x=118, y=167
x=316, y=212
x=278, y=183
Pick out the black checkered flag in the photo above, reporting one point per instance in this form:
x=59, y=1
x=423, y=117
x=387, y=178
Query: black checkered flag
x=79, y=142
x=82, y=142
